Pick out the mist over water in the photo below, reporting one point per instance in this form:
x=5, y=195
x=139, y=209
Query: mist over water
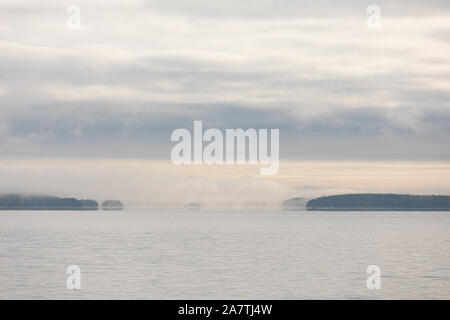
x=224, y=255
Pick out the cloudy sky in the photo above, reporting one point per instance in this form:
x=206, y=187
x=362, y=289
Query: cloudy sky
x=89, y=112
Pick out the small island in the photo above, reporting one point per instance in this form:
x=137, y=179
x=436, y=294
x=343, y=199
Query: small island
x=380, y=202
x=39, y=202
x=112, y=205
x=192, y=206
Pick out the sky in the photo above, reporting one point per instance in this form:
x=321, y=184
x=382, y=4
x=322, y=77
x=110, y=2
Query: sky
x=89, y=112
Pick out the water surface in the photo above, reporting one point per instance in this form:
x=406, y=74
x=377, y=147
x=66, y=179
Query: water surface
x=224, y=255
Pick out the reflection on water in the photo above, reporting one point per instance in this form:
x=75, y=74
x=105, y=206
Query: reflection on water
x=223, y=255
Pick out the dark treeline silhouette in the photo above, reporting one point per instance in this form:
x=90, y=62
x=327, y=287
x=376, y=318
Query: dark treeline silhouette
x=37, y=202
x=380, y=202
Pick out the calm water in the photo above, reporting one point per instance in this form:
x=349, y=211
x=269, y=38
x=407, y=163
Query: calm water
x=194, y=255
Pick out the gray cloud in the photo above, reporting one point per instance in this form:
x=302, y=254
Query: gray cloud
x=364, y=133
x=310, y=68
x=291, y=8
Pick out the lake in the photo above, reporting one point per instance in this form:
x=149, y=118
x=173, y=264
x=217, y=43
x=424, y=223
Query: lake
x=224, y=255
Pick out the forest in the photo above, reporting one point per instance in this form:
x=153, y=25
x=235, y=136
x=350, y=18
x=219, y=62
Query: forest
x=387, y=202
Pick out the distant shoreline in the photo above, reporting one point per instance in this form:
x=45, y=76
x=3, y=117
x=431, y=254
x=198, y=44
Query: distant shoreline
x=371, y=202
x=380, y=202
x=51, y=203
x=45, y=209
x=379, y=209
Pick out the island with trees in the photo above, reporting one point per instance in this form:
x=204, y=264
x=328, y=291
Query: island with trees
x=39, y=202
x=380, y=202
x=112, y=205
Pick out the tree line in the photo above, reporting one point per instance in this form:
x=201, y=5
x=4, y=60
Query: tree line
x=380, y=202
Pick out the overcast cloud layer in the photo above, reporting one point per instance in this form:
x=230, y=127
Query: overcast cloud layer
x=137, y=70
